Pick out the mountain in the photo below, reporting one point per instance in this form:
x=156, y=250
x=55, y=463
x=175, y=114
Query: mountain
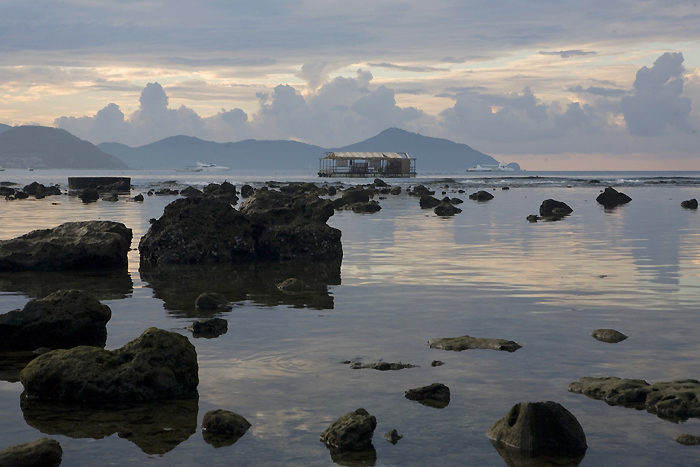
x=43, y=147
x=433, y=154
x=4, y=127
x=249, y=154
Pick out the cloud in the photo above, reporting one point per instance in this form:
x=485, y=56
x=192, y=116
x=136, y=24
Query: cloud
x=415, y=69
x=598, y=91
x=568, y=53
x=656, y=102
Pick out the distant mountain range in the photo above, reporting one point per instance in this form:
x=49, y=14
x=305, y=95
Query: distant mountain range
x=432, y=154
x=41, y=147
x=44, y=147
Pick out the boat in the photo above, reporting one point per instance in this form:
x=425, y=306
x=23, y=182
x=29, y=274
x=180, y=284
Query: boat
x=501, y=167
x=203, y=167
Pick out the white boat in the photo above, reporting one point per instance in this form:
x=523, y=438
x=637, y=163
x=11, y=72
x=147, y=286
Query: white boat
x=203, y=167
x=501, y=167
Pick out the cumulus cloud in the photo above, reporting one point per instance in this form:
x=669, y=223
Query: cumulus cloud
x=656, y=102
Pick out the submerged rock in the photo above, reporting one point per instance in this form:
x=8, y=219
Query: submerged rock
x=157, y=365
x=381, y=366
x=44, y=452
x=63, y=319
x=223, y=428
x=209, y=328
x=291, y=286
x=209, y=301
x=538, y=428
x=611, y=198
x=688, y=440
x=435, y=395
x=72, y=245
x=610, y=336
x=467, y=342
x=351, y=432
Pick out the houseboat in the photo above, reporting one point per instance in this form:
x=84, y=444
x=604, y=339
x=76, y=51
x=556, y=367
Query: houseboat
x=367, y=164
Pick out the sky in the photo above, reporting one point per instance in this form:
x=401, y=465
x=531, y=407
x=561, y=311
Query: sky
x=551, y=85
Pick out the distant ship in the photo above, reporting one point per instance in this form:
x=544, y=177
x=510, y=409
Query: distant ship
x=203, y=167
x=501, y=167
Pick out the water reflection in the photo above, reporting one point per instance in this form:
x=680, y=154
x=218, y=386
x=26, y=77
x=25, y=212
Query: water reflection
x=104, y=285
x=179, y=285
x=365, y=458
x=552, y=458
x=155, y=427
x=12, y=363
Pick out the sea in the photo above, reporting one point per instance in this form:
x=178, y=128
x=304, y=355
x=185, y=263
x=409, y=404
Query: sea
x=407, y=276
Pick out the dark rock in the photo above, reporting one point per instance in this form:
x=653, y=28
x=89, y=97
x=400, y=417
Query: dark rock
x=40, y=191
x=73, y=245
x=379, y=183
x=291, y=286
x=381, y=366
x=436, y=395
x=209, y=328
x=198, y=230
x=481, y=196
x=156, y=427
x=7, y=191
x=610, y=336
x=688, y=440
x=138, y=197
x=690, y=204
x=614, y=391
x=332, y=191
x=167, y=192
x=351, y=196
x=111, y=197
x=466, y=342
x=209, y=301
x=364, y=208
x=456, y=201
x=44, y=452
x=21, y=195
x=223, y=428
x=611, y=198
x=351, y=432
x=436, y=363
x=428, y=202
x=392, y=436
x=395, y=190
x=533, y=218
x=421, y=190
x=505, y=188
x=246, y=191
x=554, y=208
x=64, y=319
x=89, y=195
x=446, y=208
x=225, y=192
x=538, y=428
x=191, y=191
x=101, y=184
x=157, y=365
x=300, y=188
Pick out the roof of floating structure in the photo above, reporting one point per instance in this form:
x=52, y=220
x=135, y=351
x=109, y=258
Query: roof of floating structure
x=367, y=155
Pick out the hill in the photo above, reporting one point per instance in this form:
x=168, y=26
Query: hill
x=434, y=154
x=4, y=127
x=43, y=147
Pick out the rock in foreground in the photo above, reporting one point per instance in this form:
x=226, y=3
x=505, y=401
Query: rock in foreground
x=467, y=342
x=434, y=395
x=223, y=428
x=539, y=427
x=64, y=319
x=44, y=452
x=609, y=336
x=72, y=245
x=157, y=365
x=351, y=432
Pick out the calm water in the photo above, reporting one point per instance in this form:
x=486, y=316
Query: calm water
x=407, y=276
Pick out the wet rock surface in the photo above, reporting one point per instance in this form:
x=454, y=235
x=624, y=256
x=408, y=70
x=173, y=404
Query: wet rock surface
x=609, y=336
x=481, y=195
x=434, y=395
x=156, y=427
x=539, y=428
x=551, y=209
x=446, y=208
x=458, y=344
x=392, y=436
x=209, y=328
x=674, y=400
x=351, y=432
x=611, y=198
x=212, y=301
x=690, y=204
x=44, y=452
x=64, y=319
x=381, y=366
x=72, y=245
x=688, y=440
x=157, y=365
x=223, y=428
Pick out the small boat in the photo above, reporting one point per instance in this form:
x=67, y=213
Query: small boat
x=501, y=167
x=203, y=167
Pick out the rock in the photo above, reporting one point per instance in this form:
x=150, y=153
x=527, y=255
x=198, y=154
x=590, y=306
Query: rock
x=613, y=390
x=138, y=197
x=157, y=365
x=455, y=200
x=198, y=230
x=89, y=195
x=111, y=197
x=690, y=204
x=351, y=432
x=223, y=428
x=291, y=286
x=533, y=218
x=554, y=208
x=191, y=191
x=363, y=208
x=225, y=192
x=434, y=395
x=72, y=245
x=379, y=183
x=381, y=366
x=64, y=319
x=209, y=328
x=610, y=336
x=467, y=342
x=246, y=191
x=481, y=196
x=40, y=191
x=428, y=202
x=446, y=208
x=611, y=198
x=351, y=196
x=436, y=363
x=392, y=436
x=332, y=191
x=538, y=428
x=688, y=440
x=44, y=452
x=212, y=302
x=421, y=190
x=395, y=190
